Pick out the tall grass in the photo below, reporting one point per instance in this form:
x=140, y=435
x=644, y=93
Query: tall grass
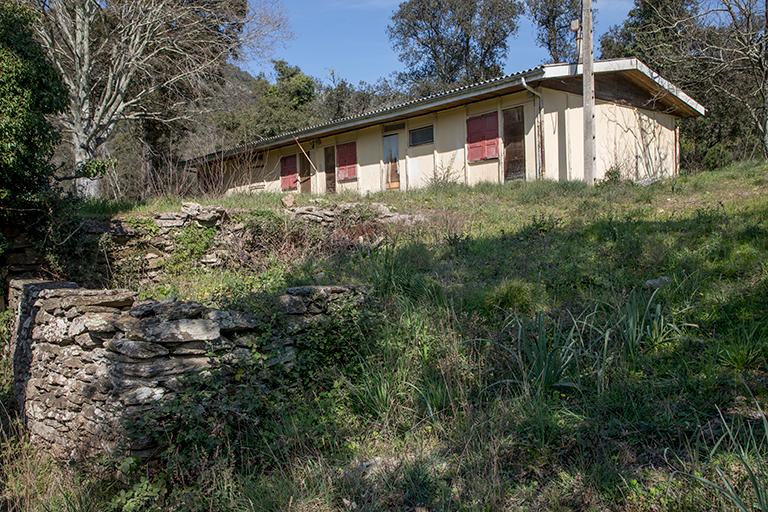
x=747, y=445
x=520, y=364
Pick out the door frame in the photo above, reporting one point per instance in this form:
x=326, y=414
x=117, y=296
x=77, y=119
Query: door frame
x=385, y=165
x=503, y=155
x=305, y=181
x=331, y=171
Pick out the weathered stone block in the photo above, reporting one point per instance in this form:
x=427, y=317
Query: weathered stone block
x=161, y=367
x=137, y=349
x=91, y=360
x=230, y=321
x=50, y=300
x=191, y=348
x=292, y=305
x=93, y=322
x=142, y=395
x=178, y=331
x=54, y=331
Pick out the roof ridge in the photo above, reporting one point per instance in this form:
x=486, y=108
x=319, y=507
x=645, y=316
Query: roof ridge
x=382, y=110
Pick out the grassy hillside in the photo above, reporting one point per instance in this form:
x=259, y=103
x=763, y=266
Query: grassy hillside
x=537, y=346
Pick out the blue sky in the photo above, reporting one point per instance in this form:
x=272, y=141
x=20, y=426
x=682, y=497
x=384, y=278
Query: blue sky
x=349, y=37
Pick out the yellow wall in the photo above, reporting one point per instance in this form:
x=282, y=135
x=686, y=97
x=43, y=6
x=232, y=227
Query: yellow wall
x=556, y=162
x=450, y=139
x=639, y=142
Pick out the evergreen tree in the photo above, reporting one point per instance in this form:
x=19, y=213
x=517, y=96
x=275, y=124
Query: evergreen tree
x=30, y=90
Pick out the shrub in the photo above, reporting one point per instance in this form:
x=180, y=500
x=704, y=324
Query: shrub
x=192, y=243
x=717, y=156
x=30, y=90
x=612, y=176
x=337, y=342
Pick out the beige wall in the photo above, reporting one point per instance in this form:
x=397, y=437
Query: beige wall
x=640, y=143
x=450, y=138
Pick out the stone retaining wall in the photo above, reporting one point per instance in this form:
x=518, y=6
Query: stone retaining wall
x=332, y=214
x=86, y=361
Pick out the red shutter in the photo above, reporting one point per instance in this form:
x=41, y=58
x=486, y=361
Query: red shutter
x=346, y=157
x=289, y=173
x=492, y=136
x=483, y=137
x=475, y=139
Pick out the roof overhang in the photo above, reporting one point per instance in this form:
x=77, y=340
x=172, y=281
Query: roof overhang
x=639, y=73
x=683, y=105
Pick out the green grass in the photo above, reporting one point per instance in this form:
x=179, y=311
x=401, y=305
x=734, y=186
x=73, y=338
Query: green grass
x=518, y=363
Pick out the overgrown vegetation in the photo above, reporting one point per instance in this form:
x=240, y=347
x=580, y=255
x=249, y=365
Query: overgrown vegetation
x=535, y=346
x=30, y=90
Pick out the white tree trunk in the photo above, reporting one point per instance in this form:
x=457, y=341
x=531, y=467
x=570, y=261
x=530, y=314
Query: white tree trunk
x=765, y=88
x=84, y=187
x=765, y=131
x=115, y=56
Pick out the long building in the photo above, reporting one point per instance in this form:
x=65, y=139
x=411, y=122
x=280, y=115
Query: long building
x=524, y=126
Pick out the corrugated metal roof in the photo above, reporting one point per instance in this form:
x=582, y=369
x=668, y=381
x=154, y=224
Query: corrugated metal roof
x=288, y=136
x=466, y=92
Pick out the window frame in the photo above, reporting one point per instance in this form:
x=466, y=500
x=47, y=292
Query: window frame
x=488, y=141
x=431, y=127
x=346, y=173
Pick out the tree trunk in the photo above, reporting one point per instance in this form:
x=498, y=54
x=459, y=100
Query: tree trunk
x=765, y=131
x=765, y=89
x=147, y=162
x=84, y=187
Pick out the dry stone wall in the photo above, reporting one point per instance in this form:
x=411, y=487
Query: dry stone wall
x=142, y=249
x=87, y=362
x=332, y=214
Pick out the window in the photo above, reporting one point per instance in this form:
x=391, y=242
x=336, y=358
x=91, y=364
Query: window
x=346, y=161
x=289, y=173
x=421, y=136
x=483, y=137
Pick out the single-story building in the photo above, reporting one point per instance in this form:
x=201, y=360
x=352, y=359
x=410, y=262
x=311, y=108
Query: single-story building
x=524, y=126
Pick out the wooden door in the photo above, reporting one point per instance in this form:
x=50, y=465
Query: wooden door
x=392, y=161
x=514, y=144
x=330, y=170
x=305, y=175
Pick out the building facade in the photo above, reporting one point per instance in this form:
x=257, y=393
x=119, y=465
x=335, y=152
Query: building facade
x=525, y=126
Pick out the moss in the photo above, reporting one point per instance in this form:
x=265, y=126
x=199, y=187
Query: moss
x=145, y=226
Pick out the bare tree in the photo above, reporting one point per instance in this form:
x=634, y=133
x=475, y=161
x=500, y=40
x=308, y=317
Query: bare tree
x=722, y=46
x=116, y=55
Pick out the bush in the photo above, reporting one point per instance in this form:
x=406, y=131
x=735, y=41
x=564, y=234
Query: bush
x=30, y=90
x=717, y=156
x=192, y=243
x=612, y=176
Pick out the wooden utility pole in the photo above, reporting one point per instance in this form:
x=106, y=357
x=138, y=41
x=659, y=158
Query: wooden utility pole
x=589, y=91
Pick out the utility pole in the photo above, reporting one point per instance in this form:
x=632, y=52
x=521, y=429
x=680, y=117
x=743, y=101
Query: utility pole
x=589, y=91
